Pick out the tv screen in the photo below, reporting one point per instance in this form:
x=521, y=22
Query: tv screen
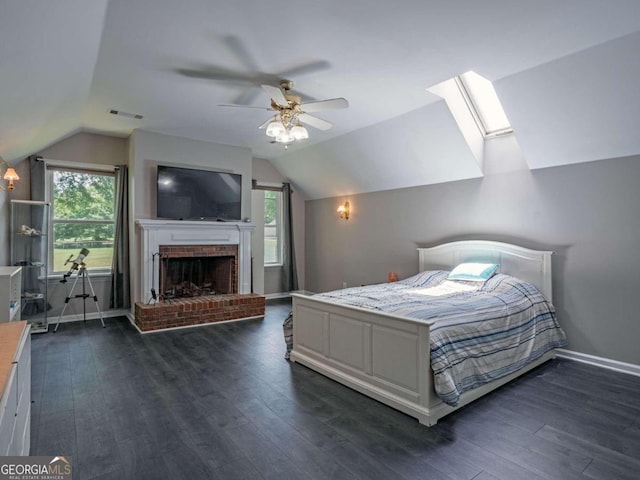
x=187, y=193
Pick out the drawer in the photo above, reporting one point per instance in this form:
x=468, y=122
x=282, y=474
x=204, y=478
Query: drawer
x=8, y=412
x=22, y=435
x=24, y=373
x=24, y=351
x=24, y=408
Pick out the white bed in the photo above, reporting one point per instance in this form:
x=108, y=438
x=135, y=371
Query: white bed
x=387, y=357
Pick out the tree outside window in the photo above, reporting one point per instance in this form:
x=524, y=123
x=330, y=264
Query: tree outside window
x=272, y=227
x=83, y=216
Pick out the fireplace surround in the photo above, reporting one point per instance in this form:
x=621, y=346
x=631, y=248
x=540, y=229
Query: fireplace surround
x=200, y=243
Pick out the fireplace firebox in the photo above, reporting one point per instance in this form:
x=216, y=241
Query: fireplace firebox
x=196, y=276
x=196, y=270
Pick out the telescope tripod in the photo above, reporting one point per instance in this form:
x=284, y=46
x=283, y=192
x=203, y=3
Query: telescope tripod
x=82, y=273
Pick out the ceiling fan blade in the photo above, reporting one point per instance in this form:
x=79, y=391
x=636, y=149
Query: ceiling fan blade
x=238, y=48
x=276, y=95
x=247, y=97
x=310, y=67
x=315, y=121
x=332, y=104
x=219, y=74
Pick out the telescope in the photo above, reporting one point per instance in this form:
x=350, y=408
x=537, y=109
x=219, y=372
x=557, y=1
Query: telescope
x=78, y=262
x=79, y=266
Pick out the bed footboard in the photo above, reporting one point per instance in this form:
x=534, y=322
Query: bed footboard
x=383, y=356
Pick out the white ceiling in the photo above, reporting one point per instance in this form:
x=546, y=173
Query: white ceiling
x=565, y=71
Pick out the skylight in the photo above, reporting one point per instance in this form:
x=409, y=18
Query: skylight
x=475, y=107
x=483, y=103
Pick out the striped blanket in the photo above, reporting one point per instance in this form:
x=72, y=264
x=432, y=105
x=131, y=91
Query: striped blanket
x=482, y=330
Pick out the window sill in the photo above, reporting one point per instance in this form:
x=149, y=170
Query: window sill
x=273, y=265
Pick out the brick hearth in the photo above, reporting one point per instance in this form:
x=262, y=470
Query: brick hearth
x=197, y=311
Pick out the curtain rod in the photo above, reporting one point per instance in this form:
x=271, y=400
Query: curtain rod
x=54, y=164
x=273, y=186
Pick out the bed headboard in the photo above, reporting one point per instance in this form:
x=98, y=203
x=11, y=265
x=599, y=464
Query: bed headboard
x=533, y=266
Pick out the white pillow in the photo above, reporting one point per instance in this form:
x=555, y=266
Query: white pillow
x=475, y=272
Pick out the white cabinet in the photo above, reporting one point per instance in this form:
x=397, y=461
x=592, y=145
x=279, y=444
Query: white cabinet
x=15, y=389
x=10, y=291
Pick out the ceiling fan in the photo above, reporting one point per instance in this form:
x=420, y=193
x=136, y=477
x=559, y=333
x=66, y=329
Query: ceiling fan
x=285, y=126
x=250, y=76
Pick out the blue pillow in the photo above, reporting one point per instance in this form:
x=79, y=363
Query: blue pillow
x=475, y=272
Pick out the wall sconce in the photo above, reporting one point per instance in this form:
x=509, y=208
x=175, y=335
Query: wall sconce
x=10, y=175
x=343, y=210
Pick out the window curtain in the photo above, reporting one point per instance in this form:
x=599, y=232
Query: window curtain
x=37, y=178
x=289, y=277
x=120, y=278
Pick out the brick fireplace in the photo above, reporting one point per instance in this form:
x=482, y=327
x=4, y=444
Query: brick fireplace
x=200, y=272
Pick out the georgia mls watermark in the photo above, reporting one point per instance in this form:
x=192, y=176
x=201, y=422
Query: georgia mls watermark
x=35, y=468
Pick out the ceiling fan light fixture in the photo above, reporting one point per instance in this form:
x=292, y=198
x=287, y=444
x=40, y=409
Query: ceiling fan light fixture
x=298, y=132
x=285, y=137
x=275, y=128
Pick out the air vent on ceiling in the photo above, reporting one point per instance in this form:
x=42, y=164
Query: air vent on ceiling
x=120, y=113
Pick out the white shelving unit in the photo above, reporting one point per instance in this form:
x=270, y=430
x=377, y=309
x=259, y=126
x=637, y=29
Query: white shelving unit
x=10, y=293
x=30, y=250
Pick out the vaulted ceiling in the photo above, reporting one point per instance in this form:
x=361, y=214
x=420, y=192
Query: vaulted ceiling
x=566, y=73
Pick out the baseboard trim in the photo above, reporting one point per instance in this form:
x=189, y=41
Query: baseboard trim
x=272, y=296
x=90, y=316
x=607, y=363
x=132, y=321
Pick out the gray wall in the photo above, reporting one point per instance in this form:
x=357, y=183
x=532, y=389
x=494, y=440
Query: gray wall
x=586, y=213
x=83, y=148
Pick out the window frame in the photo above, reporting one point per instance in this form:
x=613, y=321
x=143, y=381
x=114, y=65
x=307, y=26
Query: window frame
x=92, y=169
x=479, y=114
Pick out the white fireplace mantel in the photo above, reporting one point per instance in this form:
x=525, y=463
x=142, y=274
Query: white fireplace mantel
x=184, y=232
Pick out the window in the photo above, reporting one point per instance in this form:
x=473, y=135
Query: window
x=82, y=216
x=272, y=227
x=484, y=104
x=474, y=104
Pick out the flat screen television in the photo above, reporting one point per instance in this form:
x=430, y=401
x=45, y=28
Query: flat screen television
x=191, y=194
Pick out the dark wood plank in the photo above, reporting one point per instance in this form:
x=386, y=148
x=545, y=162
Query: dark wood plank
x=299, y=450
x=269, y=459
x=56, y=435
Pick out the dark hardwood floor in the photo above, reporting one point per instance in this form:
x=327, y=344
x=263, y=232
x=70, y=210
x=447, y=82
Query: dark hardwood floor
x=221, y=402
